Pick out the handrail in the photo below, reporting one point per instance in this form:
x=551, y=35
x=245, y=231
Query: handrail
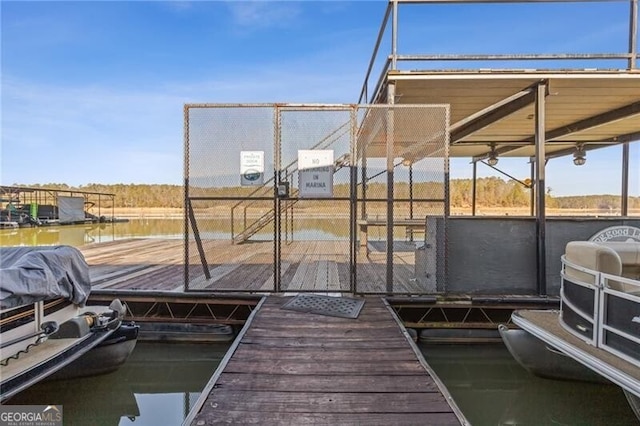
x=601, y=321
x=260, y=223
x=630, y=55
x=363, y=91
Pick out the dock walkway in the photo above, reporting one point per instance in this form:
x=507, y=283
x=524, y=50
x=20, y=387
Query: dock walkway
x=154, y=264
x=289, y=367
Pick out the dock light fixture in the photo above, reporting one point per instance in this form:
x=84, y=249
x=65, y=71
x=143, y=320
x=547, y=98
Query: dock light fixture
x=579, y=156
x=407, y=162
x=493, y=156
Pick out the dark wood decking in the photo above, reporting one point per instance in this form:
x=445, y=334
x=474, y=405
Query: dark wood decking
x=157, y=264
x=298, y=368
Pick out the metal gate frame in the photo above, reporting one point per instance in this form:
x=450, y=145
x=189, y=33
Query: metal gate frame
x=279, y=202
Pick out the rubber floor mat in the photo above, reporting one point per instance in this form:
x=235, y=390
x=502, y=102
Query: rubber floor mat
x=344, y=307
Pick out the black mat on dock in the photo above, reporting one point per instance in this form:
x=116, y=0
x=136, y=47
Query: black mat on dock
x=343, y=307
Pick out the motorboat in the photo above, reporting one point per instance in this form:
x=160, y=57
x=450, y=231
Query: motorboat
x=46, y=328
x=597, y=329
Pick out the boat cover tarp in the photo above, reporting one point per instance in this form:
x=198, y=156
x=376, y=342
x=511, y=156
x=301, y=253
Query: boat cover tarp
x=33, y=274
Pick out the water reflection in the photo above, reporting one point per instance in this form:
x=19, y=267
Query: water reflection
x=298, y=229
x=157, y=385
x=220, y=229
x=492, y=389
x=77, y=235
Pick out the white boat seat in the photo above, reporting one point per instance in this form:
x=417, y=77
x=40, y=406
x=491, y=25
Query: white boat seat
x=592, y=256
x=629, y=253
x=615, y=258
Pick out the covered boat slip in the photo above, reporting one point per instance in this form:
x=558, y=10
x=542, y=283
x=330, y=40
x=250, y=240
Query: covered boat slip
x=382, y=193
x=546, y=109
x=290, y=367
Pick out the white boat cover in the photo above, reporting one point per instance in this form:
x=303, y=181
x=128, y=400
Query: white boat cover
x=32, y=274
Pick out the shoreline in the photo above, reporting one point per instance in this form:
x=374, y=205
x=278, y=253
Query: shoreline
x=221, y=213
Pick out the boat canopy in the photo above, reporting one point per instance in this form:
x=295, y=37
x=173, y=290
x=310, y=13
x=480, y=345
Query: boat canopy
x=33, y=274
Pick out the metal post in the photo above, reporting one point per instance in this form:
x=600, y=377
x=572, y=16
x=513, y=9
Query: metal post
x=353, y=203
x=411, y=199
x=286, y=212
x=276, y=201
x=633, y=34
x=532, y=186
x=394, y=37
x=411, y=191
x=540, y=187
x=186, y=197
x=474, y=188
x=363, y=213
x=391, y=89
x=624, y=205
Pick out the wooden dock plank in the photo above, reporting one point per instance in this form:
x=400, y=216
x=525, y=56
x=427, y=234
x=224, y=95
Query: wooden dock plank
x=324, y=383
x=322, y=266
x=293, y=367
x=343, y=355
x=295, y=419
x=326, y=402
x=353, y=368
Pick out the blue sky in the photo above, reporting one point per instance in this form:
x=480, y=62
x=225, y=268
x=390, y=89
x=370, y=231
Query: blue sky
x=92, y=92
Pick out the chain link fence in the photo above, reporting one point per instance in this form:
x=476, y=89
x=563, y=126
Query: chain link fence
x=320, y=198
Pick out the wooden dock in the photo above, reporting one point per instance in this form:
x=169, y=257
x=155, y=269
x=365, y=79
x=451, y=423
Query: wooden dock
x=158, y=265
x=289, y=367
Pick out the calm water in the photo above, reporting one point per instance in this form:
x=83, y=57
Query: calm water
x=160, y=382
x=317, y=229
x=157, y=386
x=491, y=388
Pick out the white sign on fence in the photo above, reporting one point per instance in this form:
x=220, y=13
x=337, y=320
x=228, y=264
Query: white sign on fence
x=251, y=168
x=315, y=173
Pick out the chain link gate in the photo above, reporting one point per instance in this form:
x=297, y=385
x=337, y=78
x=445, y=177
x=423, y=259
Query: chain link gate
x=403, y=162
x=316, y=198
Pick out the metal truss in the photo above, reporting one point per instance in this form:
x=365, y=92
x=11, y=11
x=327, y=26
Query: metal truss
x=181, y=308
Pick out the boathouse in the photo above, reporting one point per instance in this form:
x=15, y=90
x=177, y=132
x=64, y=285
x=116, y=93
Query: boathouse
x=354, y=199
x=379, y=169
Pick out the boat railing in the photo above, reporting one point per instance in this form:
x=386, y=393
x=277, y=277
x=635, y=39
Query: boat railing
x=619, y=317
x=601, y=309
x=579, y=300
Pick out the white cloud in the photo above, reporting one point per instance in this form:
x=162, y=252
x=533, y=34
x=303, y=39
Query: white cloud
x=255, y=15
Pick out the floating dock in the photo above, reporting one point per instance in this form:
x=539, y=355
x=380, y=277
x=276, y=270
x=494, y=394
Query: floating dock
x=148, y=275
x=158, y=264
x=291, y=367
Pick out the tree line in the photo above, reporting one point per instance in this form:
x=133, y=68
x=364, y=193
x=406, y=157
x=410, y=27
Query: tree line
x=490, y=192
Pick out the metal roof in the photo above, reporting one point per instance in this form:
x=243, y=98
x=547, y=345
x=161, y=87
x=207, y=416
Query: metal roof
x=594, y=108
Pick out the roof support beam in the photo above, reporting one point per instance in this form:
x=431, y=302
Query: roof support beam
x=595, y=121
x=593, y=145
x=491, y=114
x=579, y=126
x=540, y=186
x=624, y=205
x=499, y=151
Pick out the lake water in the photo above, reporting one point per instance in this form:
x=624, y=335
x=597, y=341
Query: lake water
x=160, y=382
x=491, y=388
x=157, y=386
